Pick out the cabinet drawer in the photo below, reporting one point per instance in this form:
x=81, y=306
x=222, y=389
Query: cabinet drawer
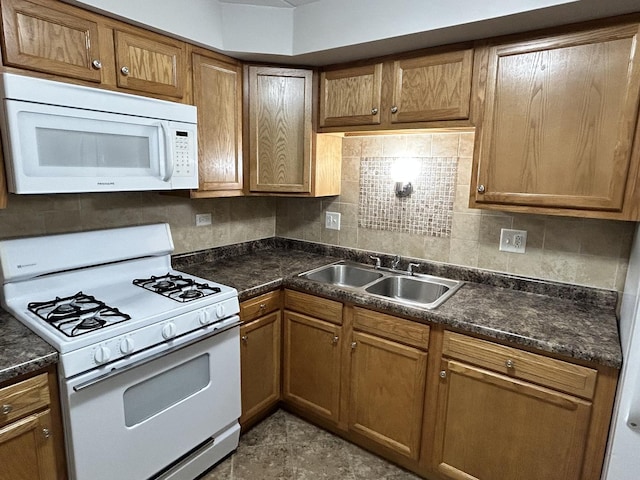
x=317, y=307
x=23, y=398
x=393, y=328
x=259, y=306
x=556, y=374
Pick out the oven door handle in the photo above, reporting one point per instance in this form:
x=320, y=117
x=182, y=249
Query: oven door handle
x=224, y=326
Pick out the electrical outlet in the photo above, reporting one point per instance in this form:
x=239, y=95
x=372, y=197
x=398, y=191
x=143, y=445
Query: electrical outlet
x=513, y=240
x=332, y=221
x=203, y=219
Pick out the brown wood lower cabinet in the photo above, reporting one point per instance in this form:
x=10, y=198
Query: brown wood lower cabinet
x=31, y=444
x=312, y=351
x=491, y=426
x=387, y=392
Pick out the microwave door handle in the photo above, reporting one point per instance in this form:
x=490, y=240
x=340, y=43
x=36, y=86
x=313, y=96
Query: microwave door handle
x=168, y=153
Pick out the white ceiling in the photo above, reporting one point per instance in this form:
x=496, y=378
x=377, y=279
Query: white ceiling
x=271, y=3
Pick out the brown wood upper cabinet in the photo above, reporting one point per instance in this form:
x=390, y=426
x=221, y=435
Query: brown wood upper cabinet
x=217, y=92
x=63, y=40
x=285, y=155
x=51, y=40
x=150, y=63
x=403, y=93
x=556, y=125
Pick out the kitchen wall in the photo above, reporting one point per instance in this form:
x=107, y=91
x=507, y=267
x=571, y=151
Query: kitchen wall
x=233, y=219
x=583, y=251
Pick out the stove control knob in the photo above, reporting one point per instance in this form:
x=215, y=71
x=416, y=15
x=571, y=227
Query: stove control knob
x=204, y=317
x=169, y=331
x=126, y=345
x=220, y=311
x=102, y=355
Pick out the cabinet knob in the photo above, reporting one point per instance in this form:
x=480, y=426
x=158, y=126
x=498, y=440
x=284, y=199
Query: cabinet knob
x=125, y=71
x=335, y=339
x=6, y=409
x=353, y=345
x=244, y=338
x=46, y=433
x=394, y=109
x=443, y=374
x=374, y=111
x=481, y=189
x=97, y=64
x=510, y=363
x=263, y=306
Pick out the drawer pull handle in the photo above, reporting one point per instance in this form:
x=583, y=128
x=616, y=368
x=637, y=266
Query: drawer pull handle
x=263, y=306
x=510, y=363
x=335, y=339
x=443, y=374
x=6, y=409
x=46, y=433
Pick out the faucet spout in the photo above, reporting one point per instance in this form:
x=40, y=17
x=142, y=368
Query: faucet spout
x=396, y=262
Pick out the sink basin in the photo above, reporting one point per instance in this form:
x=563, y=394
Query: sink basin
x=419, y=290
x=343, y=275
x=427, y=292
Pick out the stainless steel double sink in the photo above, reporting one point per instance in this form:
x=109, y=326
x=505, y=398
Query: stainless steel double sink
x=415, y=289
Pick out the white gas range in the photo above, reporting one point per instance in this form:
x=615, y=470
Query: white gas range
x=149, y=356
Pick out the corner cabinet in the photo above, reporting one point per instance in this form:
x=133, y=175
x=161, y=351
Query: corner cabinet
x=556, y=126
x=286, y=156
x=31, y=445
x=217, y=92
x=417, y=91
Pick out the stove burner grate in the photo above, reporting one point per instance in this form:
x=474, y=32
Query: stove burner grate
x=77, y=314
x=177, y=287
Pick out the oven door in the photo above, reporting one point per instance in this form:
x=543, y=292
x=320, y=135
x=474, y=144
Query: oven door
x=135, y=422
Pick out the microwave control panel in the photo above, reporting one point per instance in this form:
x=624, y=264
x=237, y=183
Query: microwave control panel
x=184, y=164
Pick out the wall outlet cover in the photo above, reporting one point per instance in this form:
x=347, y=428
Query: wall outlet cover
x=514, y=241
x=203, y=219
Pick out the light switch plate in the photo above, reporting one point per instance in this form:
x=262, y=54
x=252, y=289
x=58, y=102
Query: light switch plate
x=513, y=240
x=332, y=221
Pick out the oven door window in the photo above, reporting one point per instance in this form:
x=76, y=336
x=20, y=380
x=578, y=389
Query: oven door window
x=156, y=394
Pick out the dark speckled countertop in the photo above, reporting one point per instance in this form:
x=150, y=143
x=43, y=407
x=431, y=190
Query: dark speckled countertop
x=572, y=321
x=556, y=322
x=21, y=350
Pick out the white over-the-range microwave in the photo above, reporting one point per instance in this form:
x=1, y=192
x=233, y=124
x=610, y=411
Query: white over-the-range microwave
x=62, y=138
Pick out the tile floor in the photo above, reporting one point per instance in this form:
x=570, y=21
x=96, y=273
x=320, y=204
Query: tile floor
x=285, y=447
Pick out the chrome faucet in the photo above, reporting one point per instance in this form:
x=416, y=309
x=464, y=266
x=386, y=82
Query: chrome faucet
x=377, y=259
x=396, y=262
x=411, y=267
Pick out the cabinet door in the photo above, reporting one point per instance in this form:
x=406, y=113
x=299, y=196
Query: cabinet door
x=433, y=87
x=490, y=426
x=312, y=364
x=387, y=392
x=27, y=449
x=260, y=365
x=150, y=64
x=49, y=40
x=351, y=96
x=217, y=91
x=280, y=129
x=558, y=121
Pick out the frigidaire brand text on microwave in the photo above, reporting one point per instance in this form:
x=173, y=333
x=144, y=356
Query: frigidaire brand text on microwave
x=61, y=138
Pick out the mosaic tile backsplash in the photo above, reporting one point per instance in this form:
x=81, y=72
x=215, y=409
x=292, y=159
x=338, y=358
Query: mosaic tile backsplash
x=429, y=209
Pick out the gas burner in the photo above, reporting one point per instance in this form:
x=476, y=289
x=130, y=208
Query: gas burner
x=77, y=314
x=177, y=287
